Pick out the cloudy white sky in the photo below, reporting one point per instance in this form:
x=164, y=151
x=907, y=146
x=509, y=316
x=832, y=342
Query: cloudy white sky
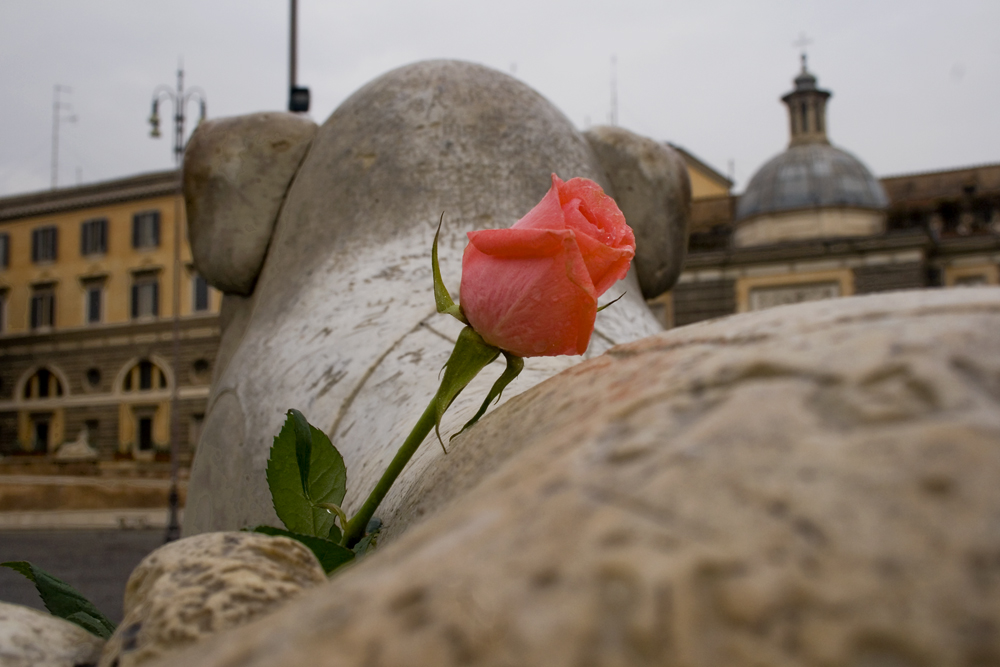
x=916, y=83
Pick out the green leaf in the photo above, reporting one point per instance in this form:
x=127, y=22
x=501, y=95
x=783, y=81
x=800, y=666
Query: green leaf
x=471, y=355
x=63, y=600
x=303, y=447
x=326, y=483
x=329, y=554
x=442, y=298
x=89, y=623
x=515, y=365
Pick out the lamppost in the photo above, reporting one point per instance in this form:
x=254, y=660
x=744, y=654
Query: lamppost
x=180, y=100
x=298, y=96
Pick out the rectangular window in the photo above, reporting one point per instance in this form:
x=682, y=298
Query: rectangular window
x=145, y=434
x=145, y=295
x=200, y=294
x=4, y=251
x=93, y=427
x=40, y=433
x=146, y=229
x=43, y=307
x=44, y=242
x=94, y=237
x=94, y=302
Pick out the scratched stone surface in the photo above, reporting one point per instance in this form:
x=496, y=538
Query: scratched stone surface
x=32, y=638
x=192, y=588
x=341, y=323
x=809, y=485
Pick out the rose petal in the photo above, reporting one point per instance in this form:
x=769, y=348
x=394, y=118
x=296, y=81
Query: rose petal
x=519, y=242
x=605, y=265
x=547, y=214
x=600, y=209
x=538, y=306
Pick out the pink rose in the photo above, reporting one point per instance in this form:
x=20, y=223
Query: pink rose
x=532, y=289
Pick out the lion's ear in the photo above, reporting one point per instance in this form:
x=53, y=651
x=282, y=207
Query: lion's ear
x=236, y=173
x=653, y=190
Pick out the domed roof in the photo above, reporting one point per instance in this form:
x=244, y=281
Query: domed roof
x=812, y=175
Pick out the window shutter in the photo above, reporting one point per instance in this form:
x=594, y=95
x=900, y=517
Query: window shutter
x=52, y=309
x=155, y=223
x=34, y=312
x=135, y=301
x=156, y=299
x=103, y=227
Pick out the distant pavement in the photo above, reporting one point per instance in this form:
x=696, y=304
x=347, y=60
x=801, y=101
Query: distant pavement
x=95, y=562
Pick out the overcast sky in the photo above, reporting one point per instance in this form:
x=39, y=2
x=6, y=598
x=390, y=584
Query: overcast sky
x=916, y=83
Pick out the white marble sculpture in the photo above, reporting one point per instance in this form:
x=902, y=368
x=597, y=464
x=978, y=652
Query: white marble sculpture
x=321, y=240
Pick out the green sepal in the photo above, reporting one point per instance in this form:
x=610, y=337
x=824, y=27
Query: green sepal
x=612, y=302
x=368, y=543
x=471, y=355
x=329, y=554
x=515, y=365
x=63, y=600
x=295, y=503
x=445, y=304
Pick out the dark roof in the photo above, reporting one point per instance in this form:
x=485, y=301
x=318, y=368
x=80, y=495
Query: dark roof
x=814, y=175
x=97, y=194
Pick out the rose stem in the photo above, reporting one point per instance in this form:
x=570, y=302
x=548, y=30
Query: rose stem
x=359, y=522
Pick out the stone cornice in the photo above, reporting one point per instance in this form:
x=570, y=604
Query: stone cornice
x=143, y=186
x=198, y=326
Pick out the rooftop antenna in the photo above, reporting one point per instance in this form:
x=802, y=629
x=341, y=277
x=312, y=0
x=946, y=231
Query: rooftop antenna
x=801, y=43
x=613, y=115
x=58, y=107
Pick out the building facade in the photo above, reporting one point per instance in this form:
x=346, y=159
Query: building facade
x=87, y=280
x=813, y=223
x=87, y=305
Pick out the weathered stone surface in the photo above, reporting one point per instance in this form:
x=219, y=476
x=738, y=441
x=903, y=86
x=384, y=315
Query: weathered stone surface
x=32, y=638
x=652, y=188
x=808, y=485
x=341, y=324
x=195, y=587
x=236, y=173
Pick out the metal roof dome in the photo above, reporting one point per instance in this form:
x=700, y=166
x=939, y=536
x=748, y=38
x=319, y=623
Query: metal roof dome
x=812, y=175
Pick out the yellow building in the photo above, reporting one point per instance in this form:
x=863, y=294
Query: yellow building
x=87, y=301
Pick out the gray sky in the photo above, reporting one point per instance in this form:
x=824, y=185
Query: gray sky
x=916, y=83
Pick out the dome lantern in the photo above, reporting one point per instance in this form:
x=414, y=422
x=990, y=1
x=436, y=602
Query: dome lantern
x=812, y=190
x=807, y=109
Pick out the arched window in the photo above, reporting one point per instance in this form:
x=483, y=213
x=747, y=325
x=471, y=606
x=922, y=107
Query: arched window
x=41, y=425
x=144, y=376
x=43, y=384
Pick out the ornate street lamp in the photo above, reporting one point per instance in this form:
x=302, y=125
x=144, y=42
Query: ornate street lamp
x=180, y=99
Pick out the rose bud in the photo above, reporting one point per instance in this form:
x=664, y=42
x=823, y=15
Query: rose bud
x=532, y=289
